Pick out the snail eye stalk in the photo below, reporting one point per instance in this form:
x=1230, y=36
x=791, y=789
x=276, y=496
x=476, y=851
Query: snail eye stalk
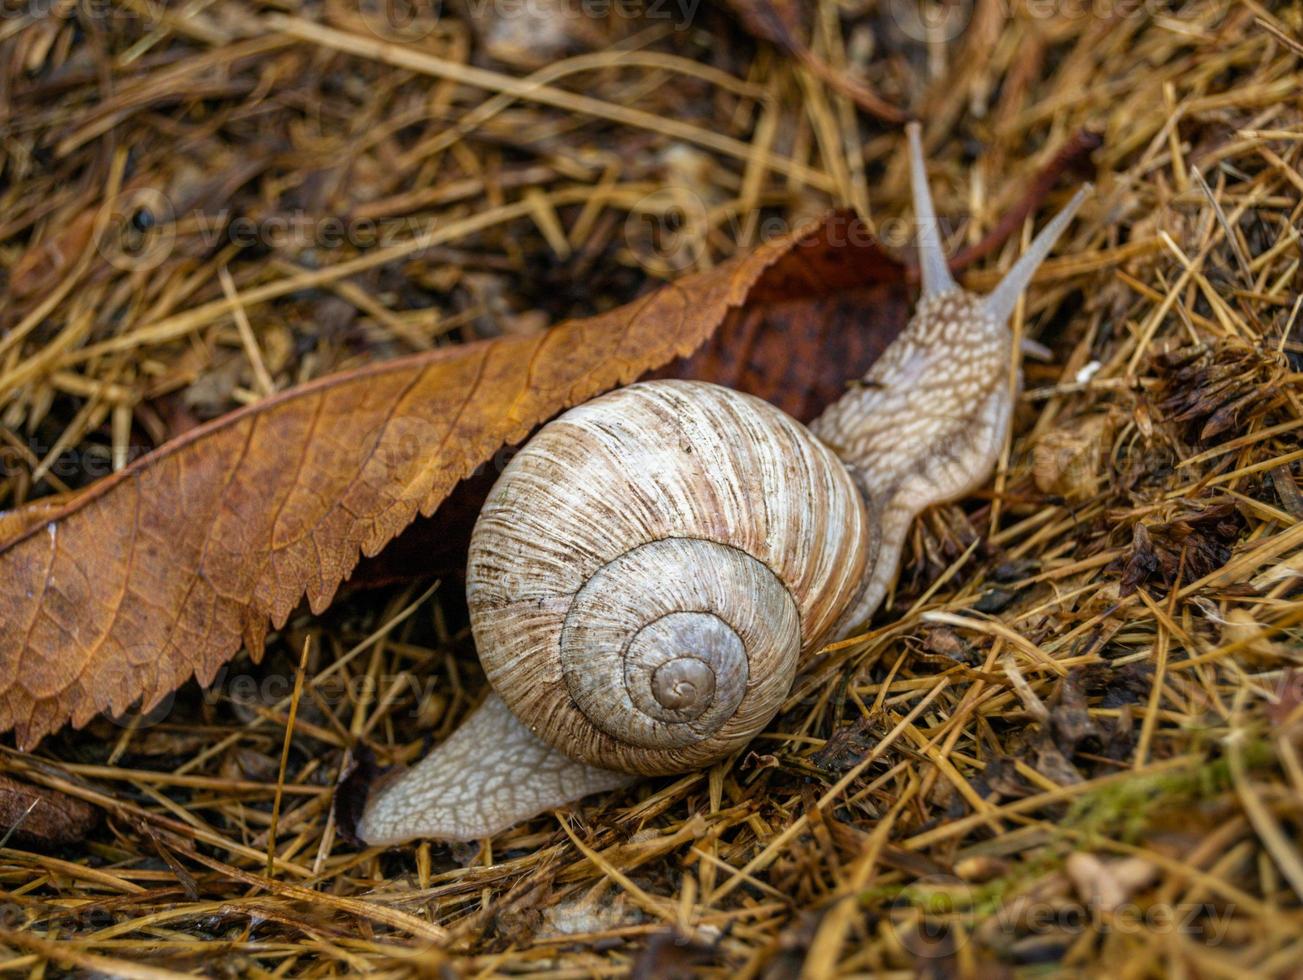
x=933, y=265
x=999, y=303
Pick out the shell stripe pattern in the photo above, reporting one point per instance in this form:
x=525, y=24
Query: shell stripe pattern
x=624, y=515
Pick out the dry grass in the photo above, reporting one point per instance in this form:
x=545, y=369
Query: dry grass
x=1072, y=738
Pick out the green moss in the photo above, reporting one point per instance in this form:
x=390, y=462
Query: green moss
x=1126, y=808
x=945, y=896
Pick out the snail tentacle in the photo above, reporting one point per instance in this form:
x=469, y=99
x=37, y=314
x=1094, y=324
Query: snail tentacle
x=932, y=415
x=934, y=267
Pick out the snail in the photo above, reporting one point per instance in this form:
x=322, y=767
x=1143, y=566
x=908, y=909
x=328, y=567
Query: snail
x=648, y=572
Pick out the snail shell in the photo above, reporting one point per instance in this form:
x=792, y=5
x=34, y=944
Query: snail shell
x=648, y=570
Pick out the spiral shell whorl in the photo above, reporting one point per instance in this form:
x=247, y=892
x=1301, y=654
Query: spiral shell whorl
x=667, y=667
x=648, y=569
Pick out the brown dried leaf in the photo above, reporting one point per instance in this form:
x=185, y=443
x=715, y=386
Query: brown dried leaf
x=14, y=523
x=1051, y=762
x=40, y=817
x=816, y=319
x=1289, y=696
x=41, y=265
x=1070, y=461
x=1195, y=543
x=1241, y=626
x=945, y=646
x=847, y=746
x=1141, y=563
x=1070, y=722
x=670, y=954
x=818, y=316
x=164, y=569
x=1218, y=390
x=1106, y=885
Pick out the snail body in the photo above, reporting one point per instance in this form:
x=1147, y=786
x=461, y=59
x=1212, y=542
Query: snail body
x=650, y=569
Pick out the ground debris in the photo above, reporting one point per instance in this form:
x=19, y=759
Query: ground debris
x=1049, y=783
